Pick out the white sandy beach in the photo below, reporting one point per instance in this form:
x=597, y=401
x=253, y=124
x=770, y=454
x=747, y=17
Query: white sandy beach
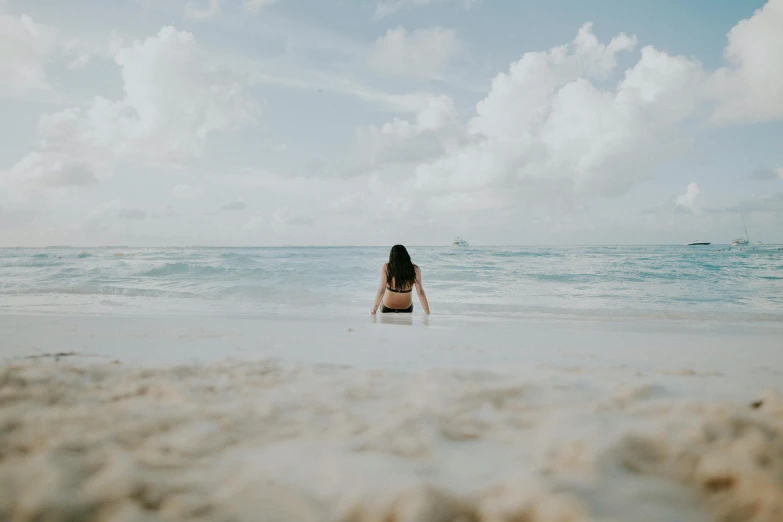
x=152, y=418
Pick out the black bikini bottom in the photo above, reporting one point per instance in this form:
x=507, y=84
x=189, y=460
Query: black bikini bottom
x=386, y=310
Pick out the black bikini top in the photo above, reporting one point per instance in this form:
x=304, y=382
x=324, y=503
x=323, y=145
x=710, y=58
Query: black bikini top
x=399, y=291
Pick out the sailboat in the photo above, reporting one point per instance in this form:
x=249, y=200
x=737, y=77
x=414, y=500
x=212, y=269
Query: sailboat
x=742, y=241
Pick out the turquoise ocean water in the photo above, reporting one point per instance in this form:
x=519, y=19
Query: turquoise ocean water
x=602, y=283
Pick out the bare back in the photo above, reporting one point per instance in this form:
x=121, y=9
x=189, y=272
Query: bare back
x=400, y=298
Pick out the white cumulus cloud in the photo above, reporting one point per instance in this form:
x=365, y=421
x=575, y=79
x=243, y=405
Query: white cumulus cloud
x=174, y=100
x=433, y=130
x=25, y=48
x=558, y=128
x=54, y=170
x=553, y=130
x=422, y=52
x=550, y=123
x=750, y=88
x=690, y=200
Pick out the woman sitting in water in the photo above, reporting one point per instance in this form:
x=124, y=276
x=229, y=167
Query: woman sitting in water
x=398, y=277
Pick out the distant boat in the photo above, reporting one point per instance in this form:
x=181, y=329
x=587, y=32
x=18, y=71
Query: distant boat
x=459, y=242
x=742, y=241
x=696, y=242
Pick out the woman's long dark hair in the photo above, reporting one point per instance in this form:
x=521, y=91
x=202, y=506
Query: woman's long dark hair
x=401, y=269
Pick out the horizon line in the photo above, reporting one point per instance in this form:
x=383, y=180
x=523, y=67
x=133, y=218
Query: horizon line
x=374, y=246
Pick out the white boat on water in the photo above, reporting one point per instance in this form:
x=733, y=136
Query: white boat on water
x=742, y=241
x=696, y=242
x=459, y=242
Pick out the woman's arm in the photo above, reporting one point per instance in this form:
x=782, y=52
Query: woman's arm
x=420, y=292
x=381, y=291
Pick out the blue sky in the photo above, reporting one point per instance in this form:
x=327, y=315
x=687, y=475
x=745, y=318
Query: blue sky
x=263, y=122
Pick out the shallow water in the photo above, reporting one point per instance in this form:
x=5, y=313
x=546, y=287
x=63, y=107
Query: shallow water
x=612, y=282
